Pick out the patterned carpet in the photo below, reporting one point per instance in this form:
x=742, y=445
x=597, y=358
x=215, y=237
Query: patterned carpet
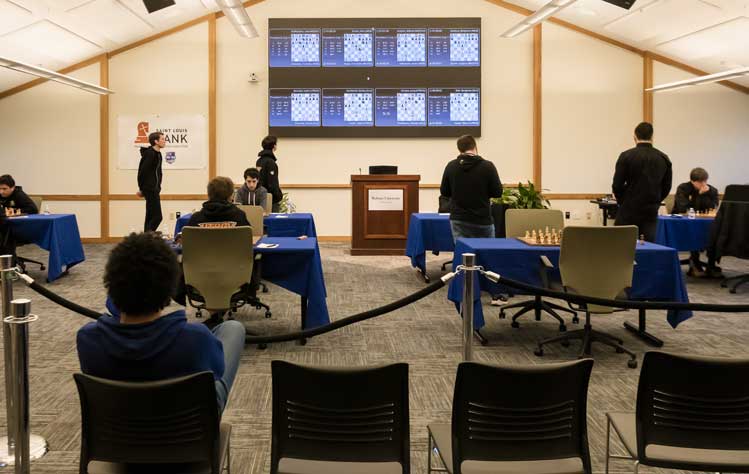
x=427, y=335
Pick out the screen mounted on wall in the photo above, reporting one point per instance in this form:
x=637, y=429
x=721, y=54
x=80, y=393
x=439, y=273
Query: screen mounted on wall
x=374, y=77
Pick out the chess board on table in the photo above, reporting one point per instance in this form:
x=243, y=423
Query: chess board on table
x=542, y=238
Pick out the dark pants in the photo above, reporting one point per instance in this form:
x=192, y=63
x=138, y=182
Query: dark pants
x=275, y=207
x=153, y=211
x=646, y=226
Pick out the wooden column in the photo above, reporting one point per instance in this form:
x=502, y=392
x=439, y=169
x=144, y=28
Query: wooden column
x=537, y=107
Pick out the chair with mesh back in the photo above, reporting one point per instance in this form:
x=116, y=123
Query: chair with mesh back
x=217, y=264
x=691, y=415
x=23, y=261
x=517, y=223
x=596, y=261
x=523, y=419
x=166, y=426
x=340, y=420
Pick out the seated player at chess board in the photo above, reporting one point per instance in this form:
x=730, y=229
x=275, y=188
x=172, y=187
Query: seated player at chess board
x=695, y=194
x=698, y=195
x=13, y=199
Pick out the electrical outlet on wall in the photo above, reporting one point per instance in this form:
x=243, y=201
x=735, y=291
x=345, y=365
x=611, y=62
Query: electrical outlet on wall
x=588, y=215
x=566, y=214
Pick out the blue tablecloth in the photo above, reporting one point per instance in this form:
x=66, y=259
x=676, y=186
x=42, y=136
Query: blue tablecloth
x=657, y=275
x=296, y=266
x=428, y=231
x=56, y=233
x=684, y=234
x=277, y=225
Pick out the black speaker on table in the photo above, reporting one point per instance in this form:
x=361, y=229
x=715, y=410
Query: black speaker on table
x=383, y=169
x=156, y=5
x=626, y=4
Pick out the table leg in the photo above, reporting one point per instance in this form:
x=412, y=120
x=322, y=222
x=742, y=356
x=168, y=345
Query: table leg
x=484, y=341
x=641, y=331
x=605, y=216
x=424, y=275
x=303, y=340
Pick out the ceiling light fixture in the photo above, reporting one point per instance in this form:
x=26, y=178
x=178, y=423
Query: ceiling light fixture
x=543, y=13
x=53, y=76
x=237, y=15
x=710, y=78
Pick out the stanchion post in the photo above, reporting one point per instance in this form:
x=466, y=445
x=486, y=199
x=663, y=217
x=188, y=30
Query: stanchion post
x=469, y=260
x=27, y=447
x=7, y=444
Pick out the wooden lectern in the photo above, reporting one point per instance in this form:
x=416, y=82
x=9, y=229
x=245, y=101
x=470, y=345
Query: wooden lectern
x=381, y=210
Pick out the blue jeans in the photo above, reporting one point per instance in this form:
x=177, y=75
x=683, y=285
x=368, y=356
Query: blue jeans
x=471, y=231
x=231, y=334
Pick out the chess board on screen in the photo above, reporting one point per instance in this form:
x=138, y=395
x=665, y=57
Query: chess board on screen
x=374, y=77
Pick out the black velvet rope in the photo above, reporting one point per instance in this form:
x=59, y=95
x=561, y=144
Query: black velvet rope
x=624, y=304
x=426, y=291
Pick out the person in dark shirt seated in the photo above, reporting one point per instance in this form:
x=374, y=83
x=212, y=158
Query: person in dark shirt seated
x=13, y=197
x=698, y=195
x=695, y=194
x=218, y=207
x=141, y=343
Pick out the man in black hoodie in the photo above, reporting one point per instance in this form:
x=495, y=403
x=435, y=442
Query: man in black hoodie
x=218, y=207
x=149, y=180
x=641, y=181
x=13, y=197
x=266, y=164
x=469, y=181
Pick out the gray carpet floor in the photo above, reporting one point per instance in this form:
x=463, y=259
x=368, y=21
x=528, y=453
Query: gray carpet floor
x=426, y=335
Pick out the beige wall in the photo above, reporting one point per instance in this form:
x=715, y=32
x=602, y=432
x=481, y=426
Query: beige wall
x=591, y=101
x=706, y=126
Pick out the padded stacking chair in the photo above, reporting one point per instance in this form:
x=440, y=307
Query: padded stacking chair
x=596, y=261
x=340, y=420
x=691, y=415
x=255, y=217
x=164, y=427
x=217, y=263
x=523, y=420
x=669, y=203
x=268, y=207
x=23, y=261
x=517, y=222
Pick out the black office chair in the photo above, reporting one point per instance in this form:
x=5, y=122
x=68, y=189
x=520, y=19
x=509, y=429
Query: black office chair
x=340, y=420
x=524, y=419
x=167, y=426
x=730, y=231
x=691, y=415
x=21, y=262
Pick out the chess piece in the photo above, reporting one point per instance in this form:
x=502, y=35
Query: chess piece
x=642, y=239
x=527, y=234
x=533, y=236
x=547, y=229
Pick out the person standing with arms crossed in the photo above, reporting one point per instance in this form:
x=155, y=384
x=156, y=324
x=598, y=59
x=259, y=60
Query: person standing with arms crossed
x=149, y=180
x=641, y=181
x=266, y=165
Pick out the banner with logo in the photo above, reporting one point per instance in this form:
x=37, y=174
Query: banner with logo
x=186, y=139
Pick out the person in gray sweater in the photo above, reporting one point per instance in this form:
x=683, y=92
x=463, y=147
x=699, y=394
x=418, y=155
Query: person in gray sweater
x=251, y=192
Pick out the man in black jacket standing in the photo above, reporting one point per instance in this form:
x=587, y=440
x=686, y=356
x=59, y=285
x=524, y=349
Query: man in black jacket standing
x=266, y=164
x=149, y=180
x=469, y=181
x=641, y=182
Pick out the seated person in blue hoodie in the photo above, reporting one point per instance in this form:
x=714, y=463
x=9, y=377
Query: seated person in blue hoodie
x=141, y=343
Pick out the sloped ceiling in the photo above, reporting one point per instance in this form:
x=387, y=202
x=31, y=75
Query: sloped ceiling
x=712, y=35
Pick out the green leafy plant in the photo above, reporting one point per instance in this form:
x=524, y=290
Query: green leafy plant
x=286, y=206
x=523, y=197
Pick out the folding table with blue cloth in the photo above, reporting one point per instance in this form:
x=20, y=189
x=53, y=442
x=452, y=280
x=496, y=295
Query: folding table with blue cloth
x=686, y=235
x=657, y=276
x=56, y=233
x=276, y=225
x=428, y=231
x=295, y=265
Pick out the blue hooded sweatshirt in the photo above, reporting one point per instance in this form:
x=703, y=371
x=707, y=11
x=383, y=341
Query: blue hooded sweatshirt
x=165, y=348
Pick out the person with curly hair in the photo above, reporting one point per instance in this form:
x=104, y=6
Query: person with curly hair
x=142, y=344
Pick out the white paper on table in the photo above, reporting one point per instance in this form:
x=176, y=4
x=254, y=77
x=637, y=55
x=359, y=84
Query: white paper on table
x=267, y=246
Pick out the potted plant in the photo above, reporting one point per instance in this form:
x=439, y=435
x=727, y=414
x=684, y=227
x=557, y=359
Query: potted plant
x=521, y=197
